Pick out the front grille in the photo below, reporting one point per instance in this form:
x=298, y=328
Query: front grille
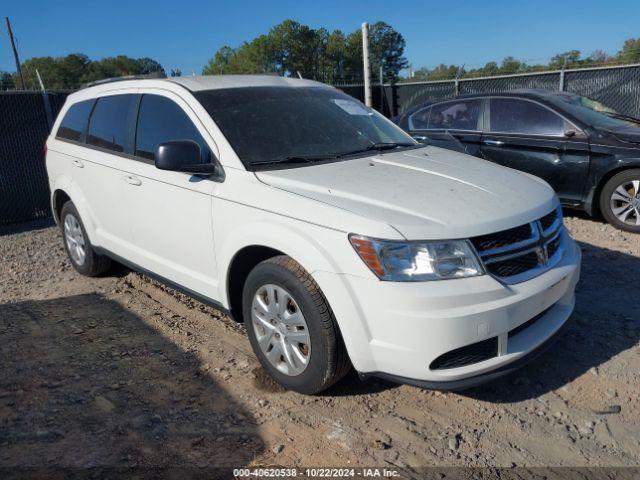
x=520, y=253
x=553, y=246
x=514, y=266
x=547, y=220
x=474, y=353
x=502, y=239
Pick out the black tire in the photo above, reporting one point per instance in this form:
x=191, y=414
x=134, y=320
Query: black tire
x=93, y=263
x=620, y=179
x=328, y=360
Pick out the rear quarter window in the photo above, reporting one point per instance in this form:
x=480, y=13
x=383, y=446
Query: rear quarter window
x=420, y=119
x=74, y=123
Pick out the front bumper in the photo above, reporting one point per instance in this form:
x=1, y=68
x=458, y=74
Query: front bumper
x=479, y=379
x=406, y=326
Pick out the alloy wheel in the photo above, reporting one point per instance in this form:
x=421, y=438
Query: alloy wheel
x=625, y=202
x=74, y=239
x=281, y=329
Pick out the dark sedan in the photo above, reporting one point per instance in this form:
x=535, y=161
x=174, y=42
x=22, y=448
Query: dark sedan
x=587, y=152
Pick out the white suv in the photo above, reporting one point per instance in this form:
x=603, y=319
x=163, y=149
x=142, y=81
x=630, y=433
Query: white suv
x=333, y=235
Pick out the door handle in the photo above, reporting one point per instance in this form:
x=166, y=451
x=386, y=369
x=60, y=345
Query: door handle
x=493, y=143
x=78, y=163
x=420, y=138
x=133, y=180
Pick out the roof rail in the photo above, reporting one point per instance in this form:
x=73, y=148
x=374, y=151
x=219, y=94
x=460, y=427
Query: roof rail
x=152, y=75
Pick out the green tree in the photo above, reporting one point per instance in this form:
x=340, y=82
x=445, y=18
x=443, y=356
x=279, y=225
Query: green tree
x=489, y=69
x=510, y=65
x=71, y=71
x=570, y=59
x=49, y=70
x=221, y=62
x=148, y=65
x=353, y=56
x=600, y=57
x=334, y=56
x=444, y=72
x=387, y=49
x=630, y=52
x=6, y=81
x=290, y=48
x=420, y=75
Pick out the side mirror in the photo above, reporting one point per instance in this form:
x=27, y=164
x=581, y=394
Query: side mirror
x=570, y=133
x=183, y=156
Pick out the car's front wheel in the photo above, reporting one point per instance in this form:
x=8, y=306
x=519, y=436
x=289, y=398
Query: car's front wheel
x=620, y=200
x=291, y=327
x=81, y=253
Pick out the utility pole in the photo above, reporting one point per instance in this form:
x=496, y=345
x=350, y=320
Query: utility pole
x=564, y=65
x=365, y=64
x=15, y=52
x=40, y=80
x=381, y=89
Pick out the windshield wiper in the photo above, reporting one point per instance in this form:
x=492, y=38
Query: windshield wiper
x=621, y=116
x=379, y=146
x=295, y=159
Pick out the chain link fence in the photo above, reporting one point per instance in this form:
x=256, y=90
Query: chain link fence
x=25, y=121
x=617, y=87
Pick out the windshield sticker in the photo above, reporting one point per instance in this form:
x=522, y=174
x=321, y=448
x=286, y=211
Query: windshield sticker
x=351, y=107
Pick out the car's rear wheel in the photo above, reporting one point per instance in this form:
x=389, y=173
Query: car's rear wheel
x=291, y=327
x=81, y=253
x=620, y=200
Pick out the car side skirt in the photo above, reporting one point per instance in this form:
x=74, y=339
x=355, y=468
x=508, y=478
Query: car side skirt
x=179, y=288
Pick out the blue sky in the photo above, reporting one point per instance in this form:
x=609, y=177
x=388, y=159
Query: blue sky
x=185, y=34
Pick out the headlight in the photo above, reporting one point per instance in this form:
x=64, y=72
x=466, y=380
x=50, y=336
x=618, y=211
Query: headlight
x=417, y=261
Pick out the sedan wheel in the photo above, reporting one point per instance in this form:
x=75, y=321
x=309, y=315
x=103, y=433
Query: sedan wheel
x=620, y=200
x=281, y=329
x=625, y=202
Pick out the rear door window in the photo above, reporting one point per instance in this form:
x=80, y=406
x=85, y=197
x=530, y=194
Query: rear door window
x=461, y=115
x=110, y=121
x=74, y=123
x=161, y=120
x=512, y=115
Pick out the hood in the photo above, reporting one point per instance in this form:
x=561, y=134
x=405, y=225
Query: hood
x=428, y=193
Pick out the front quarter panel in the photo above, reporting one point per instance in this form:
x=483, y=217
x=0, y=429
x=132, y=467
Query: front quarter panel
x=266, y=217
x=243, y=219
x=608, y=156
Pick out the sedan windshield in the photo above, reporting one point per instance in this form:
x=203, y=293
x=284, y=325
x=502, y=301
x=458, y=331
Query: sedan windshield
x=297, y=125
x=592, y=112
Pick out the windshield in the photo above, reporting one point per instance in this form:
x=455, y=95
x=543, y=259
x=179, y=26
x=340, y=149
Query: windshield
x=592, y=112
x=280, y=124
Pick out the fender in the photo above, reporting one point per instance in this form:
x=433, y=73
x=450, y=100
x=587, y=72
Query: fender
x=307, y=247
x=301, y=245
x=600, y=176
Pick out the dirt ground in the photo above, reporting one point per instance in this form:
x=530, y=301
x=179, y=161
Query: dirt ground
x=120, y=371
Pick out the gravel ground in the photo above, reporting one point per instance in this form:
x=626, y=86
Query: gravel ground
x=120, y=371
